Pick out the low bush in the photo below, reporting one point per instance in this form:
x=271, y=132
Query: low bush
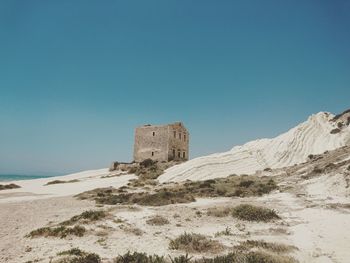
x=62, y=182
x=268, y=169
x=86, y=217
x=133, y=230
x=59, y=231
x=137, y=257
x=274, y=247
x=8, y=186
x=226, y=232
x=157, y=221
x=195, y=243
x=162, y=197
x=240, y=186
x=75, y=255
x=254, y=213
x=335, y=131
x=219, y=211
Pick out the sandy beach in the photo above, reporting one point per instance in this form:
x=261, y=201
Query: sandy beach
x=312, y=221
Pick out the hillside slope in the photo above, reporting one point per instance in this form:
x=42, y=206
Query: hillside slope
x=321, y=132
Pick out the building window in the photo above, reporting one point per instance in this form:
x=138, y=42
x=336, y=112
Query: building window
x=179, y=154
x=174, y=134
x=183, y=155
x=180, y=136
x=152, y=153
x=184, y=137
x=154, y=133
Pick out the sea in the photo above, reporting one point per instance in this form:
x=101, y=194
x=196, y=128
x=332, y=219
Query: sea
x=16, y=177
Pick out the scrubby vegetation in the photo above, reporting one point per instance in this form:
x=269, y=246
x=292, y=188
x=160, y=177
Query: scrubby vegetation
x=137, y=257
x=335, y=131
x=157, y=221
x=75, y=255
x=8, y=186
x=191, y=242
x=240, y=186
x=274, y=247
x=234, y=257
x=159, y=198
x=86, y=217
x=254, y=213
x=132, y=229
x=226, y=232
x=59, y=231
x=219, y=211
x=148, y=171
x=62, y=182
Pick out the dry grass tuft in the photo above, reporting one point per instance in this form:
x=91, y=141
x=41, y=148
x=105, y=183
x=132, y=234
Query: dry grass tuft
x=59, y=231
x=274, y=247
x=75, y=255
x=137, y=257
x=219, y=211
x=195, y=243
x=157, y=221
x=254, y=213
x=86, y=217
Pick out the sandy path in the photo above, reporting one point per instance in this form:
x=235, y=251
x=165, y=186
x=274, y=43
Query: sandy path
x=18, y=219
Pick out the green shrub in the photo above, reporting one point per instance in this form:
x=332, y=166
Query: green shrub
x=274, y=247
x=147, y=163
x=137, y=257
x=60, y=231
x=163, y=197
x=247, y=257
x=62, y=182
x=195, y=243
x=8, y=186
x=157, y=221
x=242, y=186
x=219, y=211
x=72, y=252
x=86, y=217
x=254, y=213
x=75, y=255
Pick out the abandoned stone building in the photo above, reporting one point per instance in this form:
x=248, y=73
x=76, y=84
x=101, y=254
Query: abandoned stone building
x=161, y=142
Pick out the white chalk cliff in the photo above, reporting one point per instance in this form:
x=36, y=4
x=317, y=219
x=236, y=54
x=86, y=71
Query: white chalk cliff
x=321, y=132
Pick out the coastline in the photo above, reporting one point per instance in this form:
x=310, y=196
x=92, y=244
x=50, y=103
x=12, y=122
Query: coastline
x=71, y=184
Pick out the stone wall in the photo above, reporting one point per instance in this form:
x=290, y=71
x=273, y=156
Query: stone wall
x=161, y=143
x=178, y=142
x=151, y=142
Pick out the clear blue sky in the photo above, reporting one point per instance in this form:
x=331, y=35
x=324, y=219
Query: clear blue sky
x=76, y=77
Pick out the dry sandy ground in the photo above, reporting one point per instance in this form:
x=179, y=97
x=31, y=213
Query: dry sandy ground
x=315, y=218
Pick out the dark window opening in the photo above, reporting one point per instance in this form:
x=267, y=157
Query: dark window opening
x=154, y=133
x=152, y=153
x=184, y=137
x=179, y=154
x=183, y=155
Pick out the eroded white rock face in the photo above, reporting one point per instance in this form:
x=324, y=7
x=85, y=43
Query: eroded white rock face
x=310, y=137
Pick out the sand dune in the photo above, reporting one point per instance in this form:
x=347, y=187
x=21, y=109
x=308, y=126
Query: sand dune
x=87, y=180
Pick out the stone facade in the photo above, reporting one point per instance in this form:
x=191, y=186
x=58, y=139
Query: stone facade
x=161, y=142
